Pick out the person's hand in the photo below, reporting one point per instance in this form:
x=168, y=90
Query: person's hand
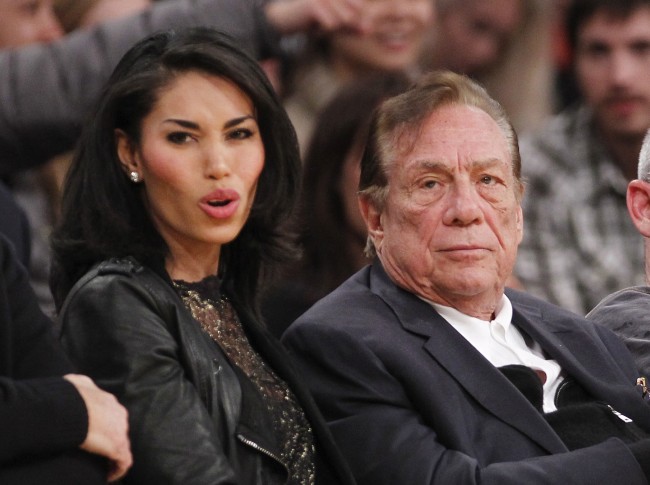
x=291, y=16
x=108, y=426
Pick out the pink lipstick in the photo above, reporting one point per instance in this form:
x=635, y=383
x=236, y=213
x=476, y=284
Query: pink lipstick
x=220, y=204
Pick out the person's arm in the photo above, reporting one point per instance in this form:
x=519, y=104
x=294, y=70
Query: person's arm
x=48, y=89
x=115, y=332
x=627, y=313
x=42, y=411
x=40, y=416
x=47, y=417
x=374, y=420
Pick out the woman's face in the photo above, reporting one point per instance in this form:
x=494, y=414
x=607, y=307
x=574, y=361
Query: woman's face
x=395, y=36
x=199, y=159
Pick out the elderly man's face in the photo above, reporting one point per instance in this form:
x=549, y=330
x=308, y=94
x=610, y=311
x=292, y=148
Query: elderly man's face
x=452, y=221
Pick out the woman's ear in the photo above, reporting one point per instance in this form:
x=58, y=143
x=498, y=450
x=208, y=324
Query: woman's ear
x=127, y=153
x=638, y=205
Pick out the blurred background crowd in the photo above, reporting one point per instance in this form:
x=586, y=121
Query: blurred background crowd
x=575, y=84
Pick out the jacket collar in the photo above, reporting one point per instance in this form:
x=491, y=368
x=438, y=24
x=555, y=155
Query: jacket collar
x=470, y=369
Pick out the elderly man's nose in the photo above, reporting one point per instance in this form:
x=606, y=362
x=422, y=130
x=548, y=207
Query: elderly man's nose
x=463, y=207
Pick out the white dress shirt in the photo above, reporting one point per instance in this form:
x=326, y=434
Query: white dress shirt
x=502, y=343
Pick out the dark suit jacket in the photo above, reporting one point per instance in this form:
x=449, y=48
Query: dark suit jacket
x=410, y=401
x=43, y=419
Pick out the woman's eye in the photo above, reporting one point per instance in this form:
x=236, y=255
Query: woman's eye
x=240, y=134
x=179, y=137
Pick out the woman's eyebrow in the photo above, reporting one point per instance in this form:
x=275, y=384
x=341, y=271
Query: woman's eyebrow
x=237, y=121
x=183, y=123
x=195, y=126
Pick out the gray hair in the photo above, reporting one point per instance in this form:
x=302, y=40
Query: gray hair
x=397, y=122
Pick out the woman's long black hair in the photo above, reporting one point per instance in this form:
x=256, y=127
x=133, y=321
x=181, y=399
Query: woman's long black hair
x=103, y=214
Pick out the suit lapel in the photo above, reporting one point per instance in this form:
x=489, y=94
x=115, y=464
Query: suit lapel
x=578, y=353
x=477, y=376
x=583, y=357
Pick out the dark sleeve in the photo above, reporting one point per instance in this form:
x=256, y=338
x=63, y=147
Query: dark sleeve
x=386, y=440
x=29, y=346
x=48, y=89
x=40, y=417
x=627, y=314
x=14, y=225
x=71, y=467
x=115, y=332
x=41, y=414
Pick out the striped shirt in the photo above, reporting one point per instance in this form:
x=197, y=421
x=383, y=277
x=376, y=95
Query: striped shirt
x=579, y=242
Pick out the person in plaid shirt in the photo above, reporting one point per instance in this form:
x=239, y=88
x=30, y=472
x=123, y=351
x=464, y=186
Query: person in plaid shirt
x=579, y=244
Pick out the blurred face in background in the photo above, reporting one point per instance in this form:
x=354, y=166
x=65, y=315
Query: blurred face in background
x=26, y=22
x=613, y=71
x=471, y=35
x=393, y=41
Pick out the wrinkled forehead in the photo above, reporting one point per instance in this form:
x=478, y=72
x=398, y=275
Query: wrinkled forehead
x=452, y=134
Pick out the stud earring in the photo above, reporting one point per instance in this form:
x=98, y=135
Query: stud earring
x=135, y=177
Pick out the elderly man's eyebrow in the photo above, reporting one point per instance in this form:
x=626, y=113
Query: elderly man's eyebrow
x=439, y=166
x=487, y=163
x=428, y=165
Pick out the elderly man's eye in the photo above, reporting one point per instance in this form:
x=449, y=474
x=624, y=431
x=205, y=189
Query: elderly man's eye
x=429, y=184
x=487, y=179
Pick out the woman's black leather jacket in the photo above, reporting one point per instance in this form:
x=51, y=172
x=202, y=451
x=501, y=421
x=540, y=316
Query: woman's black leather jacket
x=194, y=419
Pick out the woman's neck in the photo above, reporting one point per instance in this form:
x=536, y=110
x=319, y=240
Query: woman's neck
x=191, y=266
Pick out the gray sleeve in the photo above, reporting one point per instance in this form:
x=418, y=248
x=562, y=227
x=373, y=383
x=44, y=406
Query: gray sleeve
x=627, y=314
x=48, y=89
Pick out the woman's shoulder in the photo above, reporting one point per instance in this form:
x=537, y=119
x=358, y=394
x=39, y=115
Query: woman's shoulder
x=117, y=296
x=117, y=277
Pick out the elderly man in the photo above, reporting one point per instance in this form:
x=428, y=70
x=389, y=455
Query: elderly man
x=413, y=359
x=627, y=312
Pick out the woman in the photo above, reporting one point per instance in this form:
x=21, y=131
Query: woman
x=172, y=218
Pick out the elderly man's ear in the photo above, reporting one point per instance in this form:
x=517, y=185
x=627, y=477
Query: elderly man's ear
x=372, y=217
x=638, y=205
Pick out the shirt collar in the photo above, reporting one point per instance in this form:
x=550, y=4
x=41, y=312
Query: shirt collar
x=503, y=314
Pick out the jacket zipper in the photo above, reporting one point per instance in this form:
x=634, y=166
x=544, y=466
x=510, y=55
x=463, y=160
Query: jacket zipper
x=257, y=447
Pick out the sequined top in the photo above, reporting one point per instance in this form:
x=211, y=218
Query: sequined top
x=219, y=319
